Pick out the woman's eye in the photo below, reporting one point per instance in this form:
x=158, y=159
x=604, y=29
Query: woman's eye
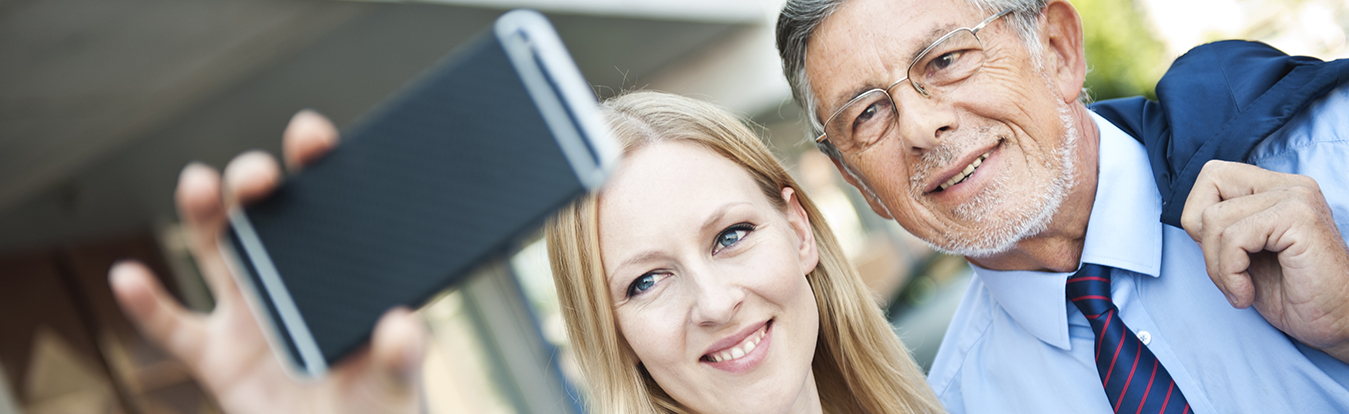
x=731, y=236
x=644, y=283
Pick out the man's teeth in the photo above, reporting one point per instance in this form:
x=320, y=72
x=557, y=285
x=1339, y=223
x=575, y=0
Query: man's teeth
x=741, y=350
x=969, y=169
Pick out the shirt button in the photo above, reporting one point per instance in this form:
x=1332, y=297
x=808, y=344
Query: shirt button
x=1145, y=337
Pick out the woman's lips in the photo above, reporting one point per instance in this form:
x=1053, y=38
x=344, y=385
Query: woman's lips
x=743, y=355
x=740, y=349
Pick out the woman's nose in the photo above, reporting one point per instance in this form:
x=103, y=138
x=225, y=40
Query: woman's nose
x=717, y=299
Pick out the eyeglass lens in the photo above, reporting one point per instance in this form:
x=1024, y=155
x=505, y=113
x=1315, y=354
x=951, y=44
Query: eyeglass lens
x=942, y=69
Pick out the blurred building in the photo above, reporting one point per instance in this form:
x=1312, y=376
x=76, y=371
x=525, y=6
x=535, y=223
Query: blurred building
x=102, y=103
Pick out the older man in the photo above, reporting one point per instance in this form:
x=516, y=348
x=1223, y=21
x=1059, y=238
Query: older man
x=962, y=121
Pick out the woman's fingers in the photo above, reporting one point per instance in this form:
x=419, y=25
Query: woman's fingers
x=202, y=209
x=160, y=317
x=204, y=200
x=307, y=138
x=250, y=177
x=386, y=377
x=396, y=348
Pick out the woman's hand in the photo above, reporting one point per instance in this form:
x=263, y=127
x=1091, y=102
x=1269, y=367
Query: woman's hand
x=225, y=349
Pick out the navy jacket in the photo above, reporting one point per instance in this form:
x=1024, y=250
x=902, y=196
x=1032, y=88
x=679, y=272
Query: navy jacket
x=1217, y=102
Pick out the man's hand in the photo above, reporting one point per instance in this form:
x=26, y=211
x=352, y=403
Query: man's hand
x=226, y=350
x=1269, y=240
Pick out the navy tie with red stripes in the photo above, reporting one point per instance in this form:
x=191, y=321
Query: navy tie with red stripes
x=1133, y=379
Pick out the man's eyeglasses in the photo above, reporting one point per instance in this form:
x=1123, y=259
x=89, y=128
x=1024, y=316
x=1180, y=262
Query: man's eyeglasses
x=938, y=69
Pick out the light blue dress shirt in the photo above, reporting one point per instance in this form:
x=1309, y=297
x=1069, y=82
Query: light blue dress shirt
x=1016, y=345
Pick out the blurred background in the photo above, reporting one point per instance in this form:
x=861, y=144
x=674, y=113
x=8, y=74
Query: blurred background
x=102, y=102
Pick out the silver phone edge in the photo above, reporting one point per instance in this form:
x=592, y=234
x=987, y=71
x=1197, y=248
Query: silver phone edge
x=525, y=34
x=311, y=364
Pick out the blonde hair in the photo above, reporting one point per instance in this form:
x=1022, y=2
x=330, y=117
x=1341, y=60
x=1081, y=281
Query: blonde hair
x=860, y=365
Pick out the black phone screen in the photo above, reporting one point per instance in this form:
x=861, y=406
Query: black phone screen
x=422, y=190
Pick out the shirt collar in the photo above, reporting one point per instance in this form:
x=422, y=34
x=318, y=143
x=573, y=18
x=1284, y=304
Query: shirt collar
x=1123, y=232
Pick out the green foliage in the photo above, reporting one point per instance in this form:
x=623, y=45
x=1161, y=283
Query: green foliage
x=1124, y=57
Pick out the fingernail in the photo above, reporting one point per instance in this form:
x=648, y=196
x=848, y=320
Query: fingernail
x=308, y=112
x=120, y=271
x=195, y=165
x=194, y=171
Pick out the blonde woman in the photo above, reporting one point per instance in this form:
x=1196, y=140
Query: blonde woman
x=699, y=280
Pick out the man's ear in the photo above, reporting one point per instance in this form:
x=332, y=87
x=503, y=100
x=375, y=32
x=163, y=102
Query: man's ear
x=800, y=221
x=875, y=204
x=1065, y=59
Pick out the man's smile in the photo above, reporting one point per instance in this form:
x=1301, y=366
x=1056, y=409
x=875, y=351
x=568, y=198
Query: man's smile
x=957, y=171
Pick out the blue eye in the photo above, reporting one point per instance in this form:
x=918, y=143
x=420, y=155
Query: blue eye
x=642, y=284
x=731, y=236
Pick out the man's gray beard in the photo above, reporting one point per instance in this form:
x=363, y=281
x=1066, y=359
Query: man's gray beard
x=1024, y=220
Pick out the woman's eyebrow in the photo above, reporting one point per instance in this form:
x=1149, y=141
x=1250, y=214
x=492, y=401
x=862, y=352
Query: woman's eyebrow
x=718, y=214
x=632, y=261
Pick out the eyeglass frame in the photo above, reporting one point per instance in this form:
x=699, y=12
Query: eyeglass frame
x=886, y=91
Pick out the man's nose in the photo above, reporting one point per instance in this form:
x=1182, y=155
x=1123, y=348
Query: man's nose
x=717, y=299
x=922, y=120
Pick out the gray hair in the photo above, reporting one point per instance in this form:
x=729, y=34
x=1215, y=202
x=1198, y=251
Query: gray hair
x=799, y=19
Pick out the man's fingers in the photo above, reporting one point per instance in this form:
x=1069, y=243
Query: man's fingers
x=159, y=316
x=308, y=137
x=1219, y=217
x=1202, y=196
x=1206, y=192
x=1215, y=235
x=1235, y=210
x=1220, y=181
x=1267, y=279
x=1232, y=277
x=1227, y=237
x=1262, y=231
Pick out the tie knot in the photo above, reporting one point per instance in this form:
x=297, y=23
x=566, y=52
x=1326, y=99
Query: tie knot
x=1089, y=289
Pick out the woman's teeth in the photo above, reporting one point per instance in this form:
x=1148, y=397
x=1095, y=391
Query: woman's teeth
x=969, y=169
x=744, y=348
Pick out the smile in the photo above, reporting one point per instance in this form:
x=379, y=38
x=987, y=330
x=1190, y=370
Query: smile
x=741, y=349
x=737, y=351
x=964, y=174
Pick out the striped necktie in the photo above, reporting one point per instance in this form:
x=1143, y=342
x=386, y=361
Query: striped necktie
x=1133, y=379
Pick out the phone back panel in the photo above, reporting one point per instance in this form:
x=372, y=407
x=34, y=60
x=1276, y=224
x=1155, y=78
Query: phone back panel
x=411, y=201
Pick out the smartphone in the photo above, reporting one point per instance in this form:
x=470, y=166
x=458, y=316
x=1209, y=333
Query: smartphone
x=447, y=173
